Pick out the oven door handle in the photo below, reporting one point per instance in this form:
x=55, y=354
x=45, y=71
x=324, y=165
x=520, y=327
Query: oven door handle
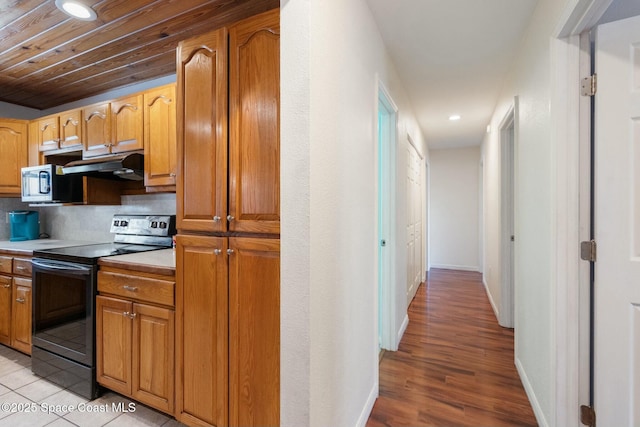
x=66, y=267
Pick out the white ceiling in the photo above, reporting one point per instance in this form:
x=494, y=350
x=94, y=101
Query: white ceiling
x=452, y=56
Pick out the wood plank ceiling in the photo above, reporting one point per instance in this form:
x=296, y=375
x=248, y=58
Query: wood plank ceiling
x=48, y=58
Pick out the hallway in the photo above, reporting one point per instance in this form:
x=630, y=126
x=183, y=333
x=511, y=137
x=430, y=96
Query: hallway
x=454, y=366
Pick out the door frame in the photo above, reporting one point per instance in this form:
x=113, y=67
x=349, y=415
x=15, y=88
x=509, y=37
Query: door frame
x=571, y=134
x=507, y=137
x=386, y=289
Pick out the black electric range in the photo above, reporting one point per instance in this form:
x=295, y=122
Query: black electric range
x=64, y=293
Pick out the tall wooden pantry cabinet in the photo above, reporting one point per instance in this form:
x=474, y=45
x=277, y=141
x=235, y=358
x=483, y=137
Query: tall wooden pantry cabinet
x=228, y=246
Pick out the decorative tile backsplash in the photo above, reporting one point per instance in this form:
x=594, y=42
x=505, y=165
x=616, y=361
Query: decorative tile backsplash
x=89, y=223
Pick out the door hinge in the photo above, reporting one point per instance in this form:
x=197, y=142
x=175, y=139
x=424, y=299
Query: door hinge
x=588, y=250
x=587, y=416
x=589, y=85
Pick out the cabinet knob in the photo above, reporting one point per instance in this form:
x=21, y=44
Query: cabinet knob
x=230, y=218
x=230, y=251
x=217, y=251
x=216, y=218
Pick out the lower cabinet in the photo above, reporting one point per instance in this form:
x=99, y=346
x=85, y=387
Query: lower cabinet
x=135, y=341
x=15, y=304
x=228, y=331
x=21, y=315
x=5, y=309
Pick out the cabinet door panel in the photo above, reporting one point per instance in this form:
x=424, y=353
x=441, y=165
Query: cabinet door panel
x=5, y=310
x=70, y=129
x=113, y=343
x=202, y=133
x=153, y=367
x=13, y=155
x=254, y=332
x=127, y=124
x=21, y=315
x=202, y=330
x=160, y=136
x=48, y=133
x=254, y=117
x=96, y=129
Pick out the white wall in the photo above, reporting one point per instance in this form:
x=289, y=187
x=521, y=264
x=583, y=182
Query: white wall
x=332, y=54
x=11, y=111
x=535, y=216
x=454, y=205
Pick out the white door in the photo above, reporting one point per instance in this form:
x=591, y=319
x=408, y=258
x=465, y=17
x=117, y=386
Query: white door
x=617, y=224
x=414, y=221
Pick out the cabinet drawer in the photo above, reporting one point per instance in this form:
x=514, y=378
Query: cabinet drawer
x=6, y=264
x=22, y=267
x=137, y=287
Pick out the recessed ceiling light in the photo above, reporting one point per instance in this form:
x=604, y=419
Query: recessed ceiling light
x=76, y=10
x=454, y=117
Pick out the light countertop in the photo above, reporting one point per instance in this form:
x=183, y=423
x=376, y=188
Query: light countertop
x=26, y=247
x=162, y=261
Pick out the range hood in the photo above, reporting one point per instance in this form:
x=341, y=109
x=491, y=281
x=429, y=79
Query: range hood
x=129, y=166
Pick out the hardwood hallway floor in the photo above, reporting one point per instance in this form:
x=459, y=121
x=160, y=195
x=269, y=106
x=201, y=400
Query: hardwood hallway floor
x=454, y=366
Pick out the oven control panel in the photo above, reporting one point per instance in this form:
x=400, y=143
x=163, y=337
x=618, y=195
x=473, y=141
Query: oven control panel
x=144, y=225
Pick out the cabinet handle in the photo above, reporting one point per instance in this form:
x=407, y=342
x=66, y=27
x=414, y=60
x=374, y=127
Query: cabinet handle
x=20, y=267
x=230, y=218
x=230, y=251
x=7, y=286
x=217, y=251
x=20, y=300
x=130, y=288
x=216, y=218
x=172, y=175
x=129, y=315
x=132, y=315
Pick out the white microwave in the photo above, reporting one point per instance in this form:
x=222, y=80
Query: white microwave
x=47, y=184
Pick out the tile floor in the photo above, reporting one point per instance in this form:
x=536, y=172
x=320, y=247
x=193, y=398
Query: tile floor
x=28, y=400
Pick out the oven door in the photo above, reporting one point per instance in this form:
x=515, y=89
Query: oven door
x=63, y=309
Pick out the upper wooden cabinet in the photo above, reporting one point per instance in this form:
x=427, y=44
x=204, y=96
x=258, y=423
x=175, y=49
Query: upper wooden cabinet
x=13, y=155
x=254, y=124
x=113, y=127
x=96, y=129
x=251, y=201
x=127, y=123
x=160, y=136
x=60, y=131
x=202, y=133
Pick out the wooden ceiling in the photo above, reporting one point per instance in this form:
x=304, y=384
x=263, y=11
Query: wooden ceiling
x=48, y=58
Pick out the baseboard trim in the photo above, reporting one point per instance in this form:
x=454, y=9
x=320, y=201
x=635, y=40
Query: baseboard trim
x=535, y=405
x=455, y=267
x=368, y=406
x=403, y=327
x=491, y=301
